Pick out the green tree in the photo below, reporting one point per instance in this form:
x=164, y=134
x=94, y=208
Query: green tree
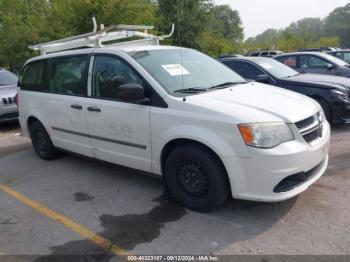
x=189, y=17
x=337, y=24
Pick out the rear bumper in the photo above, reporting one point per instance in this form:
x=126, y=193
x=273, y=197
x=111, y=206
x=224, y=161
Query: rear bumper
x=257, y=177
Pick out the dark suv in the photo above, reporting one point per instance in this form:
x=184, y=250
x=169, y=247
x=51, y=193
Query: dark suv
x=331, y=92
x=315, y=62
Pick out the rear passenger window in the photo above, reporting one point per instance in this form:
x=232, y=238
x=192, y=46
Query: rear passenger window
x=32, y=76
x=68, y=75
x=289, y=61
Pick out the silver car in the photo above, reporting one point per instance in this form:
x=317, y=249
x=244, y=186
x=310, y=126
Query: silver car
x=8, y=90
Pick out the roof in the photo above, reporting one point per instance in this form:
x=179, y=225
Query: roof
x=125, y=49
x=246, y=58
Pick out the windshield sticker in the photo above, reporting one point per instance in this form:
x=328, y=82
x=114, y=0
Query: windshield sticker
x=176, y=70
x=266, y=66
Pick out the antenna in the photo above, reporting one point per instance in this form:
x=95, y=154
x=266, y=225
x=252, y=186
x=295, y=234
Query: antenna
x=180, y=43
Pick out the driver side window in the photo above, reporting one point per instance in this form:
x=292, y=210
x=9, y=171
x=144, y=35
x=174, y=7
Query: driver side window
x=312, y=62
x=109, y=73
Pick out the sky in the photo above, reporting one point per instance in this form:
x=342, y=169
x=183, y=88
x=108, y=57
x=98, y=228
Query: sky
x=259, y=15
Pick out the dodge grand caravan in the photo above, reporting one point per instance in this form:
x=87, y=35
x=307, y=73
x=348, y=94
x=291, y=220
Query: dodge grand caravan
x=178, y=113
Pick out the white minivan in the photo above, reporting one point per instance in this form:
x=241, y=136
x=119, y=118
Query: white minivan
x=178, y=113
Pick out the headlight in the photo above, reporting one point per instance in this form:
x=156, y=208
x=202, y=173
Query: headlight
x=265, y=135
x=340, y=94
x=320, y=115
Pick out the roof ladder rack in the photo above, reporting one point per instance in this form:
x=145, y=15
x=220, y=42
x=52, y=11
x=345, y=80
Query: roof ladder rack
x=97, y=37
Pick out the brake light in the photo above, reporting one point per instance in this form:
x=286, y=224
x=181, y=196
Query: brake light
x=16, y=99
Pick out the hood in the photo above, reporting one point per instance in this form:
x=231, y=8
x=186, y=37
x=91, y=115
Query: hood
x=8, y=91
x=321, y=81
x=256, y=102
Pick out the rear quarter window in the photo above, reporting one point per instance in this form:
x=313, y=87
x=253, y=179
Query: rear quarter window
x=32, y=76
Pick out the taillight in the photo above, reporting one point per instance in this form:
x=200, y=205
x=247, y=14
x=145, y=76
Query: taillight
x=16, y=99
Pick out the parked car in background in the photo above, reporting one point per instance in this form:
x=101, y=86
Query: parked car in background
x=266, y=53
x=230, y=55
x=174, y=112
x=320, y=49
x=8, y=91
x=341, y=54
x=331, y=92
x=315, y=62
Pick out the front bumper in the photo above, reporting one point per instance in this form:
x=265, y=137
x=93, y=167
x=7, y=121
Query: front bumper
x=341, y=112
x=8, y=113
x=256, y=177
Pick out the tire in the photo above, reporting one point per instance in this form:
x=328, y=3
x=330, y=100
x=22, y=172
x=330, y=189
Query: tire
x=326, y=109
x=196, y=178
x=41, y=142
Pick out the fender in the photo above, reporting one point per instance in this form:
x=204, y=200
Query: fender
x=199, y=134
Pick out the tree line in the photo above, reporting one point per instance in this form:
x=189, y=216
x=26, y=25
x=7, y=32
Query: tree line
x=200, y=24
x=334, y=31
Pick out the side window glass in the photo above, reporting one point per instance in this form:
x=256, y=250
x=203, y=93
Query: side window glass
x=339, y=55
x=291, y=61
x=304, y=62
x=68, y=75
x=245, y=70
x=251, y=71
x=346, y=57
x=109, y=73
x=312, y=62
x=316, y=62
x=32, y=76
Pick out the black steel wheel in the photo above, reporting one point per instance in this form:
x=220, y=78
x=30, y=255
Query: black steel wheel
x=196, y=178
x=41, y=142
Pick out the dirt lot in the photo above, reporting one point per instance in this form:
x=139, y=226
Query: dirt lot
x=57, y=207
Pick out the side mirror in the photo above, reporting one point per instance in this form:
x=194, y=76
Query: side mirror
x=263, y=79
x=131, y=92
x=330, y=67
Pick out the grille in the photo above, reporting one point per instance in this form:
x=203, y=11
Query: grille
x=305, y=123
x=310, y=128
x=8, y=100
x=313, y=135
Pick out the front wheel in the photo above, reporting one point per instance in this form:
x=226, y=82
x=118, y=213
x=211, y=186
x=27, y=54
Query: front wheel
x=41, y=142
x=196, y=178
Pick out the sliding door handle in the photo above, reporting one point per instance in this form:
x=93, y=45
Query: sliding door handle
x=76, y=106
x=94, y=109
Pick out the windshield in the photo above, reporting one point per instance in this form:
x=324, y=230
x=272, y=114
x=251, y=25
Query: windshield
x=275, y=68
x=335, y=60
x=7, y=78
x=190, y=70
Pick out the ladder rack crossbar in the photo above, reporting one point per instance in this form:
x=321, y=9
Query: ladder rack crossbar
x=98, y=37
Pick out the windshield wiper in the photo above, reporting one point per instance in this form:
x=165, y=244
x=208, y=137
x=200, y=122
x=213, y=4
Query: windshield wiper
x=190, y=90
x=293, y=75
x=226, y=85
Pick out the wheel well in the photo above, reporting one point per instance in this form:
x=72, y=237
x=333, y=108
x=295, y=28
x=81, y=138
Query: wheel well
x=31, y=120
x=316, y=97
x=170, y=146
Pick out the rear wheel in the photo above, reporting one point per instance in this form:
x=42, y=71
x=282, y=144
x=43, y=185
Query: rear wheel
x=41, y=142
x=196, y=178
x=326, y=109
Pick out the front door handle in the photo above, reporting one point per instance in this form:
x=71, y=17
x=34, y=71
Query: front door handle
x=94, y=109
x=76, y=106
